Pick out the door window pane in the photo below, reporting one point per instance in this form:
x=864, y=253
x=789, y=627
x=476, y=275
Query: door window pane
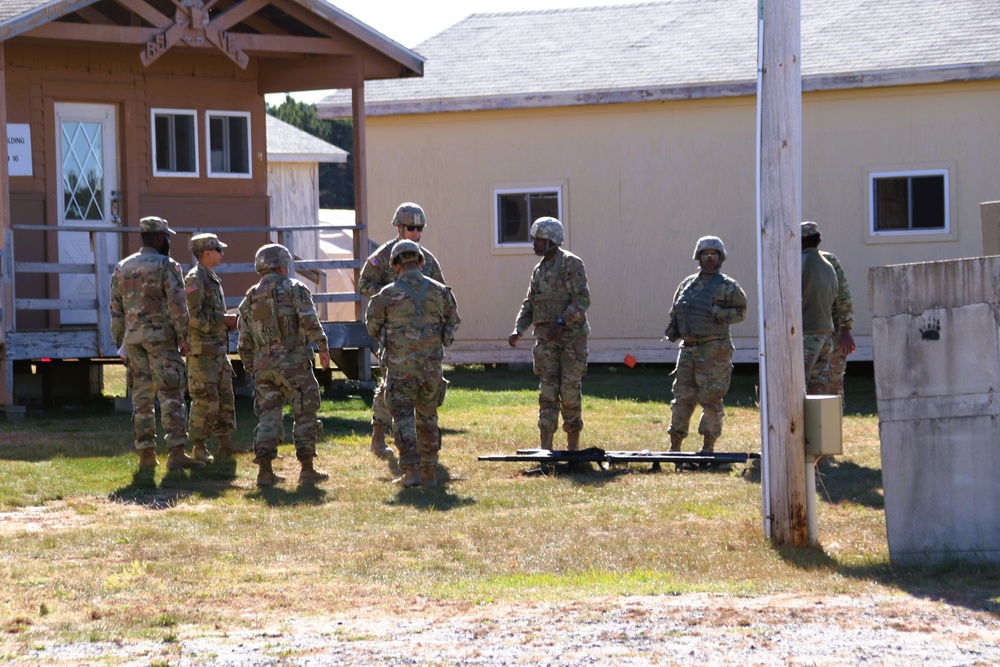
x=83, y=170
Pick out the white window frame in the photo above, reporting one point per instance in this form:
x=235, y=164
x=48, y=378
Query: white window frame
x=936, y=233
x=534, y=188
x=209, y=115
x=152, y=130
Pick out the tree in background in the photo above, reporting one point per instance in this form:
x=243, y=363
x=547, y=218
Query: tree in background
x=336, y=181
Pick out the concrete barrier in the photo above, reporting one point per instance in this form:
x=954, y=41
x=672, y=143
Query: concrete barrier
x=936, y=345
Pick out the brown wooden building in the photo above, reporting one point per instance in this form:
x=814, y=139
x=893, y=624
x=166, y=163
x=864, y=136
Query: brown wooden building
x=117, y=109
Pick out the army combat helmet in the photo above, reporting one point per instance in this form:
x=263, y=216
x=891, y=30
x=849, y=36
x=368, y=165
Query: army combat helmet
x=404, y=248
x=547, y=228
x=710, y=243
x=270, y=257
x=409, y=214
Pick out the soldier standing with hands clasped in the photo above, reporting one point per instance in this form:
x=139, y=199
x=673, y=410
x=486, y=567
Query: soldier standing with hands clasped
x=149, y=322
x=210, y=373
x=278, y=326
x=705, y=305
x=415, y=318
x=556, y=305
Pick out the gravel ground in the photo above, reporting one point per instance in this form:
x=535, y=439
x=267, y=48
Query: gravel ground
x=682, y=630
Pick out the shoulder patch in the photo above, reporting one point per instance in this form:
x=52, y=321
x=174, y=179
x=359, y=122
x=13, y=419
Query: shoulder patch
x=193, y=287
x=373, y=260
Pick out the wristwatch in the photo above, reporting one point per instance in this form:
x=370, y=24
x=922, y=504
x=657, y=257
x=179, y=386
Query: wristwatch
x=560, y=321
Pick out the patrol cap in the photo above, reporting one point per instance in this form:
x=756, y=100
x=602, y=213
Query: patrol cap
x=202, y=242
x=404, y=247
x=809, y=229
x=153, y=224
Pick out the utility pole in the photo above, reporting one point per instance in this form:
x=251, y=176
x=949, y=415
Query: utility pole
x=779, y=91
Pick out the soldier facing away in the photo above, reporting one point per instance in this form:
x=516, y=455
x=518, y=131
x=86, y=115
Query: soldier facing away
x=704, y=306
x=556, y=305
x=415, y=318
x=843, y=322
x=278, y=326
x=819, y=294
x=210, y=373
x=409, y=221
x=149, y=322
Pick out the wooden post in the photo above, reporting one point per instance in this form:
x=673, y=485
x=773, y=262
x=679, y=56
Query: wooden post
x=783, y=376
x=360, y=200
x=6, y=253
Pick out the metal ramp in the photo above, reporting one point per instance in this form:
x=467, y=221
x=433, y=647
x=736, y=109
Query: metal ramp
x=682, y=460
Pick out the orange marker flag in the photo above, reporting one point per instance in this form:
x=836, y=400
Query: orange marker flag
x=630, y=361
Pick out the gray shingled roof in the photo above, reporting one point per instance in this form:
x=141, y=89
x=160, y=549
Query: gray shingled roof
x=287, y=143
x=682, y=48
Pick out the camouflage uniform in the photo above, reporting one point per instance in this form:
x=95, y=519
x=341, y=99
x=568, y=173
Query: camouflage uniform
x=149, y=317
x=843, y=318
x=704, y=306
x=376, y=274
x=819, y=292
x=558, y=289
x=278, y=324
x=210, y=373
x=415, y=318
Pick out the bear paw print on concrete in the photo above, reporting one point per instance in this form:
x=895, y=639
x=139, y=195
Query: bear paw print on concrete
x=931, y=330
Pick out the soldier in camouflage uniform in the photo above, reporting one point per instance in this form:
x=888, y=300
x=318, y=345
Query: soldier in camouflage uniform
x=149, y=321
x=414, y=318
x=409, y=221
x=278, y=326
x=843, y=322
x=210, y=373
x=819, y=294
x=556, y=305
x=705, y=305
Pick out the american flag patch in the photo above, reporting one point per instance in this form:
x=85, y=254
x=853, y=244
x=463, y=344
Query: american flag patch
x=191, y=288
x=373, y=261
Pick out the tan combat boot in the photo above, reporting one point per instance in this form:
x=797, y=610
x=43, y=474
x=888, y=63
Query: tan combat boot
x=709, y=446
x=545, y=439
x=201, y=453
x=379, y=448
x=147, y=458
x=228, y=448
x=178, y=460
x=411, y=476
x=675, y=442
x=573, y=441
x=309, y=474
x=266, y=475
x=428, y=475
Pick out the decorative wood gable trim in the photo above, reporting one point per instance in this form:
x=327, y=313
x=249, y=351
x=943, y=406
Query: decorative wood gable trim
x=236, y=28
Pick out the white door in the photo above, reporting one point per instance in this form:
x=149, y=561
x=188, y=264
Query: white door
x=88, y=195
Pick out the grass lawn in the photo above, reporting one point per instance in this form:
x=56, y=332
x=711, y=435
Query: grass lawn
x=93, y=549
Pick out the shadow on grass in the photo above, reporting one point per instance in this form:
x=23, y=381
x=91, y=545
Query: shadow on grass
x=209, y=483
x=290, y=493
x=334, y=426
x=840, y=481
x=954, y=582
x=430, y=498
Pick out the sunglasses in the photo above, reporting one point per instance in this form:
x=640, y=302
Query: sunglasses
x=413, y=228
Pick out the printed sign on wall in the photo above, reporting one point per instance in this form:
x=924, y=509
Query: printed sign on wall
x=18, y=149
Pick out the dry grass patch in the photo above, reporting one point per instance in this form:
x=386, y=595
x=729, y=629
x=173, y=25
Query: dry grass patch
x=109, y=552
